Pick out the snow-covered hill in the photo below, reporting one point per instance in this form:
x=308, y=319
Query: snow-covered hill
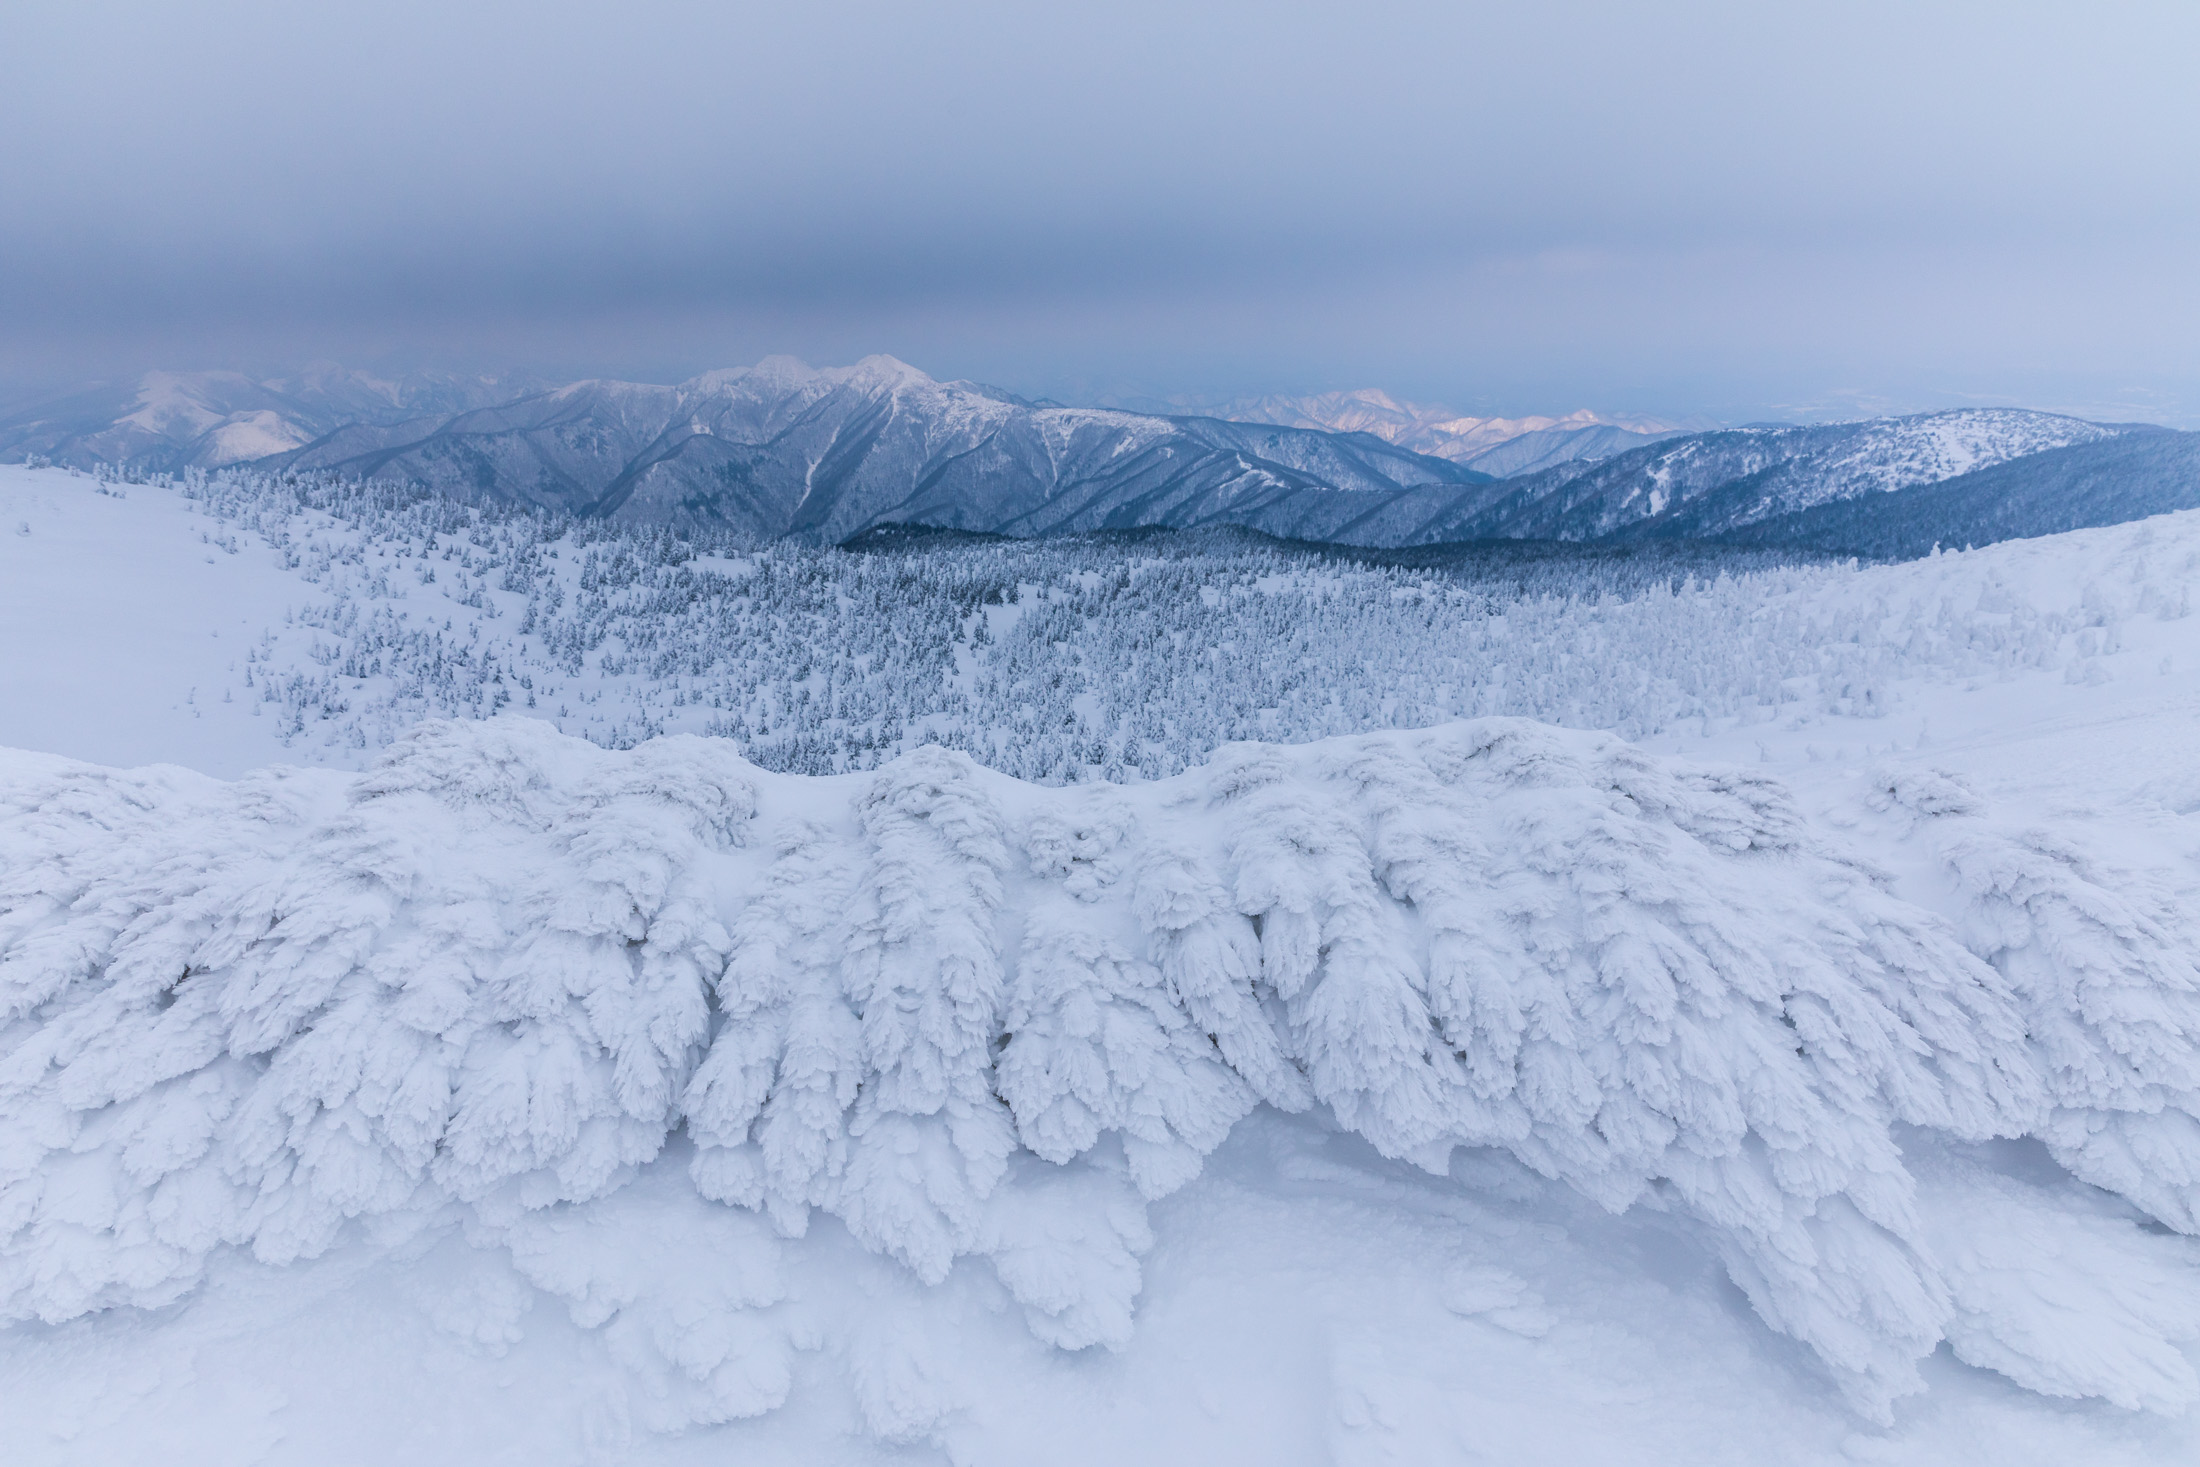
x=169, y=421
x=1548, y=448
x=242, y=619
x=1716, y=482
x=1498, y=446
x=1708, y=484
x=1439, y=1089
x=2103, y=482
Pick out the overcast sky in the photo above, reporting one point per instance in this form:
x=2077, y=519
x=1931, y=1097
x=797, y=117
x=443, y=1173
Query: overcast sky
x=1740, y=210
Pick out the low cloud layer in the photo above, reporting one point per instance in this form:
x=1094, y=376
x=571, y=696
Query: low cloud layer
x=1732, y=208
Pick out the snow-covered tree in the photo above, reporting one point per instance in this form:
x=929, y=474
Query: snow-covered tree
x=976, y=1017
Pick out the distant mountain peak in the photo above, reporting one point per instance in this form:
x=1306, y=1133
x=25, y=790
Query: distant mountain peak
x=1443, y=432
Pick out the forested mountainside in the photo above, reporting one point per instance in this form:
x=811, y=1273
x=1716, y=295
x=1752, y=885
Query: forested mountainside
x=782, y=450
x=1130, y=657
x=2104, y=482
x=1550, y=448
x=824, y=457
x=1709, y=483
x=778, y=450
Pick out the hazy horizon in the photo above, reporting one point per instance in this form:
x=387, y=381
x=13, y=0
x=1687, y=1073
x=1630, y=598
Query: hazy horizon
x=24, y=395
x=1712, y=210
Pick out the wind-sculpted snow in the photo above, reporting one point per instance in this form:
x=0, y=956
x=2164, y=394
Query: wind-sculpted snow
x=2107, y=966
x=251, y=1012
x=507, y=977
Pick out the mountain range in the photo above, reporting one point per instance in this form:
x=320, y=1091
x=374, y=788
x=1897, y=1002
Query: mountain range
x=784, y=450
x=781, y=449
x=1498, y=446
x=176, y=420
x=1704, y=485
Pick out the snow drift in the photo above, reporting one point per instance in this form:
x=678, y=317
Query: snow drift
x=504, y=971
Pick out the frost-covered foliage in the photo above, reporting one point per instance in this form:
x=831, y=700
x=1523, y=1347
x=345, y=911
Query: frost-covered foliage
x=2106, y=963
x=972, y=1017
x=1058, y=661
x=250, y=1012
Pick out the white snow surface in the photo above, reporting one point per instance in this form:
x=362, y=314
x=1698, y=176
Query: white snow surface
x=1809, y=1081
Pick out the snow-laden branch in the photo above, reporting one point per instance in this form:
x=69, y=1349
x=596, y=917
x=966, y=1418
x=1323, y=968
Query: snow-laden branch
x=970, y=1016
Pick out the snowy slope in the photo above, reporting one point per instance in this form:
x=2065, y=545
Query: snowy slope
x=776, y=449
x=1546, y=448
x=1790, y=469
x=1703, y=484
x=1954, y=894
x=127, y=625
x=2106, y=482
x=176, y=420
x=1443, y=433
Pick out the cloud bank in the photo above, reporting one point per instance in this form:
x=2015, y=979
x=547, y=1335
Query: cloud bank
x=1706, y=205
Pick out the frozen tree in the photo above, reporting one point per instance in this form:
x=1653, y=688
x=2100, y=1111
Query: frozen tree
x=977, y=1017
x=2104, y=964
x=1069, y=659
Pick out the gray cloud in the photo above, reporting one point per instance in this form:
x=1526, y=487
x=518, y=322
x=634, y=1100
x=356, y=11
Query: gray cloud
x=1740, y=207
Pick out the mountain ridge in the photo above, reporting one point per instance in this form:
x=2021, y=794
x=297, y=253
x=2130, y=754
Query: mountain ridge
x=2083, y=486
x=783, y=449
x=1495, y=445
x=1712, y=484
x=169, y=421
